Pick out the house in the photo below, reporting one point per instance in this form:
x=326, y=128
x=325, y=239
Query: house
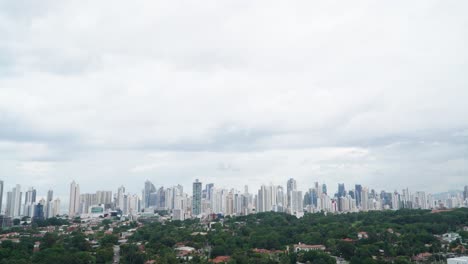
x=221, y=259
x=362, y=235
x=450, y=237
x=422, y=256
x=305, y=247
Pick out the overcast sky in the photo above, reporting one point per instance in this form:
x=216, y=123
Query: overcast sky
x=233, y=92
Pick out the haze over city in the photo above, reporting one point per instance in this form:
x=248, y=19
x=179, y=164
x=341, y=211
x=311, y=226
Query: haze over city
x=233, y=93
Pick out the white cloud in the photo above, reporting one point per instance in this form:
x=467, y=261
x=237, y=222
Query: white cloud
x=314, y=91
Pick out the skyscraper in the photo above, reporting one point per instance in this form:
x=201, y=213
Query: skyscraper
x=120, y=198
x=357, y=194
x=1, y=196
x=465, y=193
x=29, y=202
x=74, y=205
x=291, y=185
x=341, y=190
x=49, y=204
x=14, y=201
x=149, y=188
x=324, y=188
x=196, y=200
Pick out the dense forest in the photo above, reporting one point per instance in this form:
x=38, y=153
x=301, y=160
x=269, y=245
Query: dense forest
x=365, y=237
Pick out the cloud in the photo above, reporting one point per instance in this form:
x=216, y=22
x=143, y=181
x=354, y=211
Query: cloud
x=234, y=92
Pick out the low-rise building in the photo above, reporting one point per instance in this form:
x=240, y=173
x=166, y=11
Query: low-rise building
x=459, y=260
x=305, y=247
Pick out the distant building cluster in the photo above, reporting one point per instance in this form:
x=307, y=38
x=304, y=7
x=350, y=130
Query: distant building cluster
x=211, y=201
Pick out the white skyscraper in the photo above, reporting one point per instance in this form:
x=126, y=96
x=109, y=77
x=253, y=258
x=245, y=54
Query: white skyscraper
x=74, y=205
x=14, y=202
x=120, y=198
x=56, y=207
x=297, y=202
x=291, y=186
x=1, y=196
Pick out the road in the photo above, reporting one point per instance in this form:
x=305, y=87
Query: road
x=116, y=254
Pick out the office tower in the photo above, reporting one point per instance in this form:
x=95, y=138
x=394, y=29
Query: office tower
x=208, y=189
x=262, y=199
x=357, y=194
x=161, y=198
x=149, y=188
x=324, y=188
x=196, y=200
x=56, y=207
x=48, y=204
x=1, y=196
x=296, y=202
x=465, y=193
x=29, y=202
x=38, y=212
x=364, y=199
x=133, y=204
x=420, y=200
x=14, y=201
x=74, y=204
x=395, y=200
x=280, y=199
x=341, y=190
x=120, y=198
x=290, y=186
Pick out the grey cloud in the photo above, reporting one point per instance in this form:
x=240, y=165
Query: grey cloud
x=371, y=92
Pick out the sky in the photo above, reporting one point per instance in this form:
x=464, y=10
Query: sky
x=111, y=93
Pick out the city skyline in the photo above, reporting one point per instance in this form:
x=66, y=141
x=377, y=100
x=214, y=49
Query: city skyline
x=288, y=196
x=233, y=92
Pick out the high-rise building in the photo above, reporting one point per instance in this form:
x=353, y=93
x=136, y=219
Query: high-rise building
x=120, y=203
x=465, y=193
x=74, y=204
x=291, y=185
x=29, y=202
x=13, y=208
x=1, y=196
x=357, y=194
x=147, y=191
x=341, y=190
x=56, y=207
x=365, y=199
x=196, y=200
x=297, y=202
x=38, y=213
x=208, y=189
x=324, y=188
x=48, y=204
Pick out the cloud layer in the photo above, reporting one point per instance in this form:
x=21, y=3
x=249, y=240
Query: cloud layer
x=233, y=92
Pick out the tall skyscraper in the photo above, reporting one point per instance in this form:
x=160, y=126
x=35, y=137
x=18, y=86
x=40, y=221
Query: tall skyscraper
x=196, y=200
x=365, y=199
x=147, y=191
x=357, y=194
x=14, y=201
x=56, y=207
x=1, y=196
x=341, y=190
x=29, y=202
x=120, y=198
x=465, y=192
x=209, y=191
x=49, y=204
x=324, y=188
x=74, y=205
x=291, y=185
